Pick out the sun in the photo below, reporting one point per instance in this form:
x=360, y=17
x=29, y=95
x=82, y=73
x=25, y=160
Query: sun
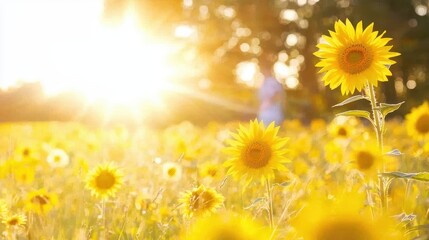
x=113, y=64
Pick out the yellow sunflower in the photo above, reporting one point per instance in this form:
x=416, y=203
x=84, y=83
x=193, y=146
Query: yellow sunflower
x=200, y=201
x=226, y=226
x=417, y=121
x=367, y=158
x=15, y=220
x=353, y=57
x=343, y=218
x=104, y=181
x=255, y=152
x=41, y=201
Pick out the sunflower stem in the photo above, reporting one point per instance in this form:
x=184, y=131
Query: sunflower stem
x=378, y=127
x=104, y=220
x=270, y=204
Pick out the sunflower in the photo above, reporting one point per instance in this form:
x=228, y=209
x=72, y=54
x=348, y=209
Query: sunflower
x=211, y=171
x=57, y=158
x=367, y=158
x=104, y=181
x=200, y=201
x=41, y=201
x=226, y=226
x=343, y=218
x=417, y=121
x=255, y=152
x=15, y=220
x=353, y=57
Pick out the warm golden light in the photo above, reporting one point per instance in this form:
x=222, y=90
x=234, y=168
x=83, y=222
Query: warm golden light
x=47, y=42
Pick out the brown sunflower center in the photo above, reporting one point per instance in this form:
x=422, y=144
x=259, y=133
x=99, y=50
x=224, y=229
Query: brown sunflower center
x=40, y=200
x=342, y=132
x=227, y=234
x=343, y=229
x=355, y=59
x=365, y=160
x=171, y=172
x=212, y=172
x=13, y=222
x=257, y=155
x=422, y=124
x=105, y=180
x=26, y=152
x=201, y=200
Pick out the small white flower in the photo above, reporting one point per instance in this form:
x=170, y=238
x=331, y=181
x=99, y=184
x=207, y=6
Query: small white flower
x=58, y=158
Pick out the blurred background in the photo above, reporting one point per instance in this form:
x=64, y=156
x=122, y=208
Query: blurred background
x=165, y=61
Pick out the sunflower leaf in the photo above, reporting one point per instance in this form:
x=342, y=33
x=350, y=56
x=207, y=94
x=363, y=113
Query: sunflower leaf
x=386, y=108
x=421, y=176
x=351, y=99
x=394, y=152
x=356, y=113
x=255, y=202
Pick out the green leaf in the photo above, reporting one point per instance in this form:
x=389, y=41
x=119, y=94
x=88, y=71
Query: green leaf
x=386, y=108
x=394, y=152
x=255, y=202
x=403, y=217
x=356, y=113
x=421, y=176
x=351, y=99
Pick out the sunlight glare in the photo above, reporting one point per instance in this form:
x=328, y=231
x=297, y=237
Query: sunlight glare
x=118, y=65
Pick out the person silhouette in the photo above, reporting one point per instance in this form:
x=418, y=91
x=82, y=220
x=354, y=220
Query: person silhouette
x=271, y=98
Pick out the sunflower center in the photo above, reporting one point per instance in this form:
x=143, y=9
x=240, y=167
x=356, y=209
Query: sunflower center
x=344, y=229
x=171, y=172
x=342, y=132
x=227, y=234
x=422, y=124
x=212, y=172
x=40, y=199
x=365, y=160
x=105, y=180
x=257, y=155
x=26, y=152
x=355, y=59
x=201, y=200
x=57, y=159
x=13, y=222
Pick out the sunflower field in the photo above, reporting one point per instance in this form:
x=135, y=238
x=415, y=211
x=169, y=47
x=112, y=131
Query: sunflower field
x=69, y=181
x=361, y=175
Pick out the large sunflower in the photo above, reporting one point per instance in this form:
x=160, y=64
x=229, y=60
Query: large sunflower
x=104, y=181
x=226, y=226
x=353, y=57
x=343, y=218
x=417, y=121
x=255, y=152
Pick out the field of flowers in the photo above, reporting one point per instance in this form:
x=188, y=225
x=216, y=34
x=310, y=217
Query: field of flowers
x=70, y=181
x=355, y=177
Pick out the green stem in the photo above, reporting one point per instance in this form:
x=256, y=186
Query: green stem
x=270, y=204
x=378, y=127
